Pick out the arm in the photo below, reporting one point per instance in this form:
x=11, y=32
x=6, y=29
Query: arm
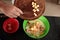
x=10, y=10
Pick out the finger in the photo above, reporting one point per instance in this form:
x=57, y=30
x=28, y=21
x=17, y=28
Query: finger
x=16, y=13
x=17, y=9
x=11, y=15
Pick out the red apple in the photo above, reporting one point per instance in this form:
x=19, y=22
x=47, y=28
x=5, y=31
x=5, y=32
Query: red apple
x=11, y=25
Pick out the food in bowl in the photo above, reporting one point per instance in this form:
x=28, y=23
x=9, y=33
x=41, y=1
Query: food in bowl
x=35, y=28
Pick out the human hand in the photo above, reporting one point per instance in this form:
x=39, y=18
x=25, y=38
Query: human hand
x=11, y=11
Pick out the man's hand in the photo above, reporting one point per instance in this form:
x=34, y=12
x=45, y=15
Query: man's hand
x=11, y=11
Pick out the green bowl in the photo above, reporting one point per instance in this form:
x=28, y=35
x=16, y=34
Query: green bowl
x=46, y=24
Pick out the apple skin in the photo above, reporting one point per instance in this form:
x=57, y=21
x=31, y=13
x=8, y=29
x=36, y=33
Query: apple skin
x=11, y=25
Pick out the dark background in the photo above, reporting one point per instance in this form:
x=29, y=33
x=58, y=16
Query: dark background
x=54, y=33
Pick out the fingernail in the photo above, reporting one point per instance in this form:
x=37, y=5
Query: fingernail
x=15, y=17
x=21, y=12
x=18, y=14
